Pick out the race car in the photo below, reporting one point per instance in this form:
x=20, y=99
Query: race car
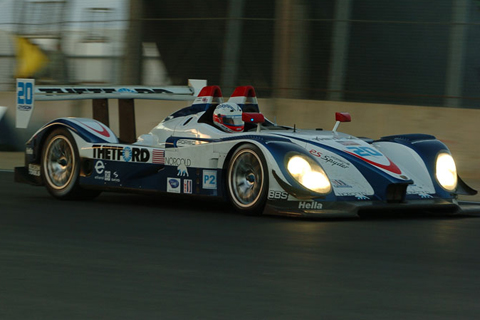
x=229, y=150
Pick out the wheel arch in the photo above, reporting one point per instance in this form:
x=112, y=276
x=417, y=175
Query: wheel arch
x=427, y=147
x=73, y=125
x=39, y=138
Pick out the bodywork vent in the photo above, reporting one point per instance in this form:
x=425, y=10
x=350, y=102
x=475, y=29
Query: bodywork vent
x=396, y=192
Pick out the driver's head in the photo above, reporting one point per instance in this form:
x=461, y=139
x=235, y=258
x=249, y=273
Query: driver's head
x=228, y=117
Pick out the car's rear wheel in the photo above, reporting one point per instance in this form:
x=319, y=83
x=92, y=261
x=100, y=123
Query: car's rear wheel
x=60, y=167
x=247, y=180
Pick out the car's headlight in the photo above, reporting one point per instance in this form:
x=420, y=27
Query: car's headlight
x=308, y=173
x=446, y=171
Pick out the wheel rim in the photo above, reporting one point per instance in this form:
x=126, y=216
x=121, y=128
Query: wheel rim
x=59, y=162
x=246, y=178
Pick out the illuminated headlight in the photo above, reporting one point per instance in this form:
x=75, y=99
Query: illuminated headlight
x=446, y=171
x=308, y=174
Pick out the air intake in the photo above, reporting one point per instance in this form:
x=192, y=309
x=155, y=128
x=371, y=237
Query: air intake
x=396, y=192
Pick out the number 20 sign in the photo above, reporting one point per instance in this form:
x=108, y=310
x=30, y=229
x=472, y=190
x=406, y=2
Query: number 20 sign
x=25, y=101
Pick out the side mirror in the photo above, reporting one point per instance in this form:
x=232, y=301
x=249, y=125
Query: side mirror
x=253, y=117
x=341, y=117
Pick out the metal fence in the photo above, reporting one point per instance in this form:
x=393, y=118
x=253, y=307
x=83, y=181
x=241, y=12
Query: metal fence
x=420, y=52
x=416, y=52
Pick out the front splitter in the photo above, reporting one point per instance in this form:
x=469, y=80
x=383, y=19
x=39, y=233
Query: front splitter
x=349, y=209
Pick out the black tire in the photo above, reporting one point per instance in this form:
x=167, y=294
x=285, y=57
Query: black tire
x=60, y=167
x=247, y=180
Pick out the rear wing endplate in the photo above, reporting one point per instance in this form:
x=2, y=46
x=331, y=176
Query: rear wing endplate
x=28, y=93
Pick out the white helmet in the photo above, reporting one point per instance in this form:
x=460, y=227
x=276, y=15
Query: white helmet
x=228, y=116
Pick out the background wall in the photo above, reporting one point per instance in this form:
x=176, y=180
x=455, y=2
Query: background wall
x=407, y=52
x=458, y=128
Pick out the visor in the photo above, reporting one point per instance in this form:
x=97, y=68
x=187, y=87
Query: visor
x=233, y=120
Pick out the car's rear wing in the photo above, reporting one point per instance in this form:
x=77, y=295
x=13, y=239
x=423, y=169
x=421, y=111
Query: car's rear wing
x=28, y=93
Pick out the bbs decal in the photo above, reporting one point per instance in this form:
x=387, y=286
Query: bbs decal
x=277, y=195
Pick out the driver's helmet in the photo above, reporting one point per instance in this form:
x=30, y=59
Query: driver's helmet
x=228, y=117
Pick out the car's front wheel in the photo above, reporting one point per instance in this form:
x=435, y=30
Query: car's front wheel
x=247, y=180
x=60, y=167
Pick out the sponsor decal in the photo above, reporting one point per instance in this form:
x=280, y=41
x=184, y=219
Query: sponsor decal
x=186, y=143
x=209, y=180
x=182, y=171
x=365, y=151
x=203, y=100
x=332, y=160
x=29, y=151
x=127, y=154
x=25, y=102
x=178, y=161
x=99, y=167
x=158, y=156
x=361, y=197
x=34, y=170
x=105, y=175
x=310, y=205
x=187, y=186
x=327, y=138
x=315, y=153
x=425, y=196
x=277, y=195
x=113, y=177
x=419, y=190
x=25, y=97
x=103, y=131
x=118, y=153
x=358, y=195
x=126, y=90
x=362, y=152
x=340, y=184
x=23, y=107
x=173, y=185
x=348, y=143
x=87, y=90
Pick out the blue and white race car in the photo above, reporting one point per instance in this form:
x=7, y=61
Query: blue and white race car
x=229, y=150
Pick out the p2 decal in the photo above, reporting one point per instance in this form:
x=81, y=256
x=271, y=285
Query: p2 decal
x=209, y=180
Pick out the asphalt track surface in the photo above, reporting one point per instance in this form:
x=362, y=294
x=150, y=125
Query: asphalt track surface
x=140, y=257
